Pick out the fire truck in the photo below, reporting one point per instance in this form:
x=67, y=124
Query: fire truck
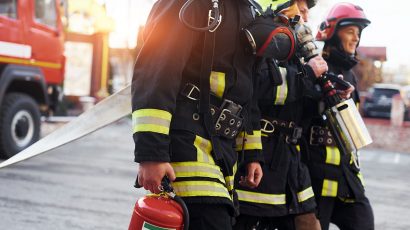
x=31, y=69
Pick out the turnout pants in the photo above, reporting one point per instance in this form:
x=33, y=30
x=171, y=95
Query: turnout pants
x=357, y=215
x=209, y=217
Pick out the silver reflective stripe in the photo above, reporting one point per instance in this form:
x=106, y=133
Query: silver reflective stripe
x=151, y=120
x=282, y=90
x=262, y=198
x=200, y=188
x=197, y=169
x=305, y=194
x=252, y=141
x=217, y=83
x=329, y=188
x=203, y=149
x=332, y=155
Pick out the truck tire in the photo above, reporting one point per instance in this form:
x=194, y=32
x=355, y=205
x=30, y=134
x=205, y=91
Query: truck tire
x=19, y=124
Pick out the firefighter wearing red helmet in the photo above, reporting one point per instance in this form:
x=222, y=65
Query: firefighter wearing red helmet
x=336, y=179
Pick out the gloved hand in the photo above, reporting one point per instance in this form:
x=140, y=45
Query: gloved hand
x=306, y=46
x=318, y=65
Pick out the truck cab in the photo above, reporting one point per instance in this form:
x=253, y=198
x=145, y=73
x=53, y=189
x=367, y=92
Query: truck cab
x=31, y=69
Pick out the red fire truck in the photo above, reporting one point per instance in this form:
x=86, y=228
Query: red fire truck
x=31, y=69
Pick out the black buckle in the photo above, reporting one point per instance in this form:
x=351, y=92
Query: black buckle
x=296, y=134
x=313, y=131
x=228, y=122
x=191, y=92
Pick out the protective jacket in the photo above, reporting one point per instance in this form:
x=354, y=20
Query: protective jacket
x=165, y=89
x=285, y=187
x=333, y=174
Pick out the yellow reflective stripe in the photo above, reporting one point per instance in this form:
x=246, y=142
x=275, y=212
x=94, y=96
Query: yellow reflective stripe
x=305, y=194
x=203, y=150
x=360, y=176
x=151, y=120
x=329, y=188
x=229, y=181
x=261, y=198
x=347, y=200
x=252, y=141
x=197, y=169
x=282, y=90
x=298, y=148
x=217, y=82
x=31, y=62
x=332, y=155
x=200, y=188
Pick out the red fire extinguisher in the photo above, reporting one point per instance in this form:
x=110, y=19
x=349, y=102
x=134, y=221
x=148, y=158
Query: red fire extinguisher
x=164, y=211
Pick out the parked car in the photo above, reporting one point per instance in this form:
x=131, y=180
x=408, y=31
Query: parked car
x=378, y=100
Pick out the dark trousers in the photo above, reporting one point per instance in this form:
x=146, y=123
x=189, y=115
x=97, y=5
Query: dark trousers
x=245, y=222
x=347, y=216
x=209, y=217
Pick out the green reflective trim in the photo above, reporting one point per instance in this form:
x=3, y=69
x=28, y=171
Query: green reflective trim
x=151, y=120
x=217, y=83
x=332, y=155
x=149, y=226
x=282, y=90
x=329, y=188
x=305, y=194
x=261, y=198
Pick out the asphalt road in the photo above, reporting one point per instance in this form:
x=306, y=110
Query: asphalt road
x=87, y=185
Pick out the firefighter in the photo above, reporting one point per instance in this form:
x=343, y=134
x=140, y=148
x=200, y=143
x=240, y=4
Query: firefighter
x=285, y=193
x=184, y=127
x=336, y=179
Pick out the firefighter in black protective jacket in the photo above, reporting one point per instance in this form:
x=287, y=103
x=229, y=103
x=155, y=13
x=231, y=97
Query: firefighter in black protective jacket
x=168, y=129
x=285, y=190
x=336, y=179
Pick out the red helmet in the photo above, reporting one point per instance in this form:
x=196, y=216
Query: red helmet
x=342, y=14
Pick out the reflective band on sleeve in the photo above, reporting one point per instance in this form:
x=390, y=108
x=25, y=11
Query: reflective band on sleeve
x=261, y=198
x=151, y=120
x=217, y=81
x=305, y=194
x=332, y=155
x=200, y=188
x=329, y=188
x=203, y=150
x=197, y=169
x=253, y=141
x=282, y=90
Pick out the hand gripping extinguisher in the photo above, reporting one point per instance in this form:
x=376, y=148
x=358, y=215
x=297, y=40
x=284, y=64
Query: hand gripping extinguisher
x=344, y=120
x=164, y=211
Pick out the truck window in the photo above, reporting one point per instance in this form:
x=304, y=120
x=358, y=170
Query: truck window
x=8, y=8
x=45, y=12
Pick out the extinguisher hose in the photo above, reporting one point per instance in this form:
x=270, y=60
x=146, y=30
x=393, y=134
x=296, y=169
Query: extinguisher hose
x=185, y=210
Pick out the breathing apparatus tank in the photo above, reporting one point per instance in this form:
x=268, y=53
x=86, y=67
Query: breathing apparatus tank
x=160, y=211
x=344, y=120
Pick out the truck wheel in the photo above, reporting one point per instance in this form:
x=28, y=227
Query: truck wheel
x=19, y=124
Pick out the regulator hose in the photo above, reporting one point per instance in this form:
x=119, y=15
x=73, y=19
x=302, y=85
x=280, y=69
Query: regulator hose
x=185, y=209
x=212, y=26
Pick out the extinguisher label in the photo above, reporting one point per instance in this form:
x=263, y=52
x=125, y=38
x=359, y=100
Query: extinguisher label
x=148, y=226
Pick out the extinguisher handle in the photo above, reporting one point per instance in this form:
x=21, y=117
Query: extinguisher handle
x=165, y=183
